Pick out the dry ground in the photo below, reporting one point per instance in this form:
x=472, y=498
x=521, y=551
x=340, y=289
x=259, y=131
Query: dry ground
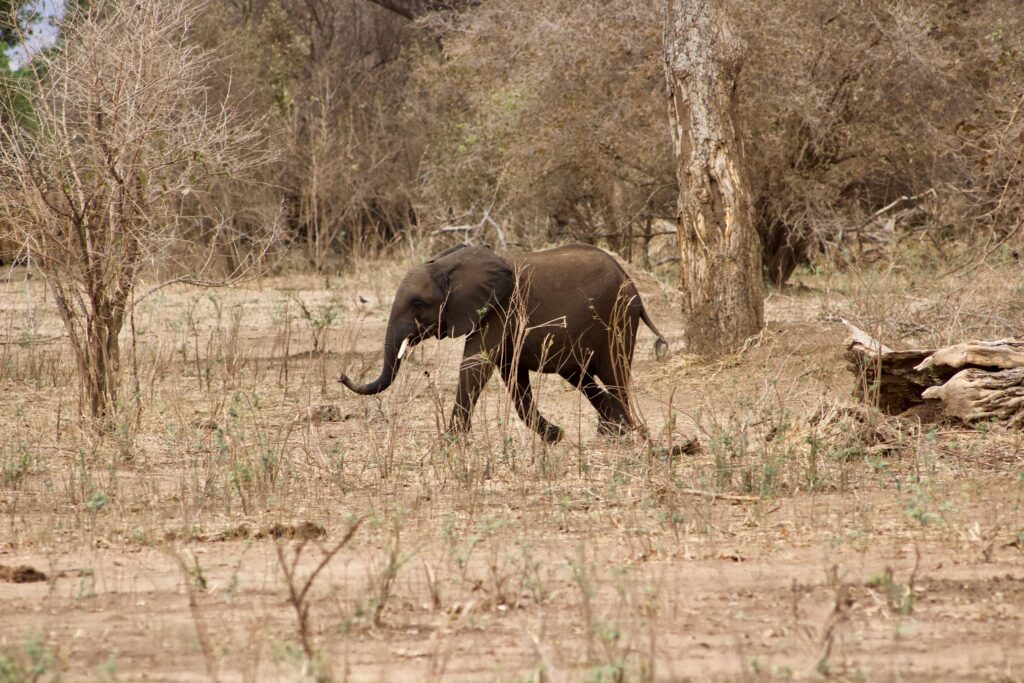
x=811, y=537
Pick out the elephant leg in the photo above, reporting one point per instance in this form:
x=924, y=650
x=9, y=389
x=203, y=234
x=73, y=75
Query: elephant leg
x=474, y=373
x=606, y=405
x=518, y=381
x=615, y=377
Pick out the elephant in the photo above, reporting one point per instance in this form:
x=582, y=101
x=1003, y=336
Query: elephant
x=570, y=310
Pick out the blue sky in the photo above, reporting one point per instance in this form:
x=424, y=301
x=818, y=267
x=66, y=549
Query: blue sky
x=44, y=32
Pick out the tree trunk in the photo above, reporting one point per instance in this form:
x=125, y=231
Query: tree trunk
x=93, y=328
x=414, y=9
x=723, y=287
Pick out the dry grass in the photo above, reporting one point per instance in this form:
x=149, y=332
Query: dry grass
x=810, y=537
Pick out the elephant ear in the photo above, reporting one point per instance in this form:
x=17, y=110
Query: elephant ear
x=475, y=281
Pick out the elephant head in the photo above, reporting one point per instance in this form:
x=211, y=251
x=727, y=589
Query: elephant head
x=447, y=296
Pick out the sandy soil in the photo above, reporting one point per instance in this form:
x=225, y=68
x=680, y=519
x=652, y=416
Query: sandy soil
x=810, y=538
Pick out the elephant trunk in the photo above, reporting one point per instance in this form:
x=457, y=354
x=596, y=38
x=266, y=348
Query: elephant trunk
x=396, y=343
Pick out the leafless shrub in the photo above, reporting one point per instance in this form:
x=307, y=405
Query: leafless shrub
x=122, y=130
x=298, y=594
x=329, y=76
x=195, y=583
x=550, y=116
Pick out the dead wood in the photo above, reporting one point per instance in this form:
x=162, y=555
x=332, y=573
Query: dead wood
x=714, y=495
x=1001, y=354
x=979, y=394
x=859, y=336
x=975, y=380
x=21, y=574
x=887, y=378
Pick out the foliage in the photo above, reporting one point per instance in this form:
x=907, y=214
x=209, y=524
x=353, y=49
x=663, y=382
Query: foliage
x=13, y=18
x=15, y=23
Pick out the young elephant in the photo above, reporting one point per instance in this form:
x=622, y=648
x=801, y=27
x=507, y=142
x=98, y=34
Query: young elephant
x=570, y=310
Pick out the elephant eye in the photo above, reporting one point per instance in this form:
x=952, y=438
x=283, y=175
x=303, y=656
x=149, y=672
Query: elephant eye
x=418, y=303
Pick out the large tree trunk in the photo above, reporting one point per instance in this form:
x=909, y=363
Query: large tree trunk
x=723, y=287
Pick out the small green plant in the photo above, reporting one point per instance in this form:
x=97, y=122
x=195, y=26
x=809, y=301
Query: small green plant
x=614, y=672
x=16, y=463
x=32, y=660
x=899, y=596
x=108, y=670
x=319, y=320
x=197, y=575
x=459, y=550
x=536, y=578
x=920, y=506
x=97, y=501
x=381, y=582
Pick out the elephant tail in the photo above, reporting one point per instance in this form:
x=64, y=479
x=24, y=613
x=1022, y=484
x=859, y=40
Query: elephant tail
x=660, y=345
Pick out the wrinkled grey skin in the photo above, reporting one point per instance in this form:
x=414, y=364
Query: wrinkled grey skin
x=575, y=312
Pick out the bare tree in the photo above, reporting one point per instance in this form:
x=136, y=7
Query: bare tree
x=337, y=147
x=95, y=183
x=722, y=283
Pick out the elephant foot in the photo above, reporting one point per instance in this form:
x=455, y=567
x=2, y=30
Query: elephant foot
x=551, y=434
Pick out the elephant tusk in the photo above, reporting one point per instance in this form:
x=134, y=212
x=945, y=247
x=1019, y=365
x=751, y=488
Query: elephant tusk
x=403, y=348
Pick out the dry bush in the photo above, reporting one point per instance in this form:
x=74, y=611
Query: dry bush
x=551, y=117
x=849, y=108
x=121, y=131
x=329, y=78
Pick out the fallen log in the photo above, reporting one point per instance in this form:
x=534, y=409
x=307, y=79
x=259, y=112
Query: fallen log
x=977, y=394
x=975, y=380
x=888, y=379
x=999, y=353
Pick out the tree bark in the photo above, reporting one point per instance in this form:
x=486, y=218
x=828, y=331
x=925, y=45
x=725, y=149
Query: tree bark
x=723, y=287
x=980, y=394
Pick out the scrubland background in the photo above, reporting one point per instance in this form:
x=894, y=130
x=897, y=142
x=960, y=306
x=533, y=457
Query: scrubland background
x=810, y=538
